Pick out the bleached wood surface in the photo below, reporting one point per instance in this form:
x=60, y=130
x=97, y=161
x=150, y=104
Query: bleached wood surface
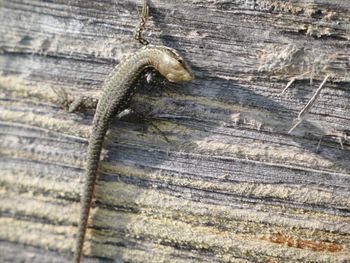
x=231, y=185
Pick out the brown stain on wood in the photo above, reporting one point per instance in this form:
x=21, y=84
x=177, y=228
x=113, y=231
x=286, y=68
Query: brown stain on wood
x=230, y=170
x=280, y=238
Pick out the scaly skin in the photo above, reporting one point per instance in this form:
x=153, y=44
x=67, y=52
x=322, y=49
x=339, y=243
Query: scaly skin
x=116, y=95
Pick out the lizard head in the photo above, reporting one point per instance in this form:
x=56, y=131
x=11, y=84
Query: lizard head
x=171, y=65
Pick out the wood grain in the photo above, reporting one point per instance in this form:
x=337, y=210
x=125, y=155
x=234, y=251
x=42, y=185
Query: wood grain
x=229, y=184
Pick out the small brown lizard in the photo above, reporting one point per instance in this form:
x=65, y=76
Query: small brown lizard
x=116, y=95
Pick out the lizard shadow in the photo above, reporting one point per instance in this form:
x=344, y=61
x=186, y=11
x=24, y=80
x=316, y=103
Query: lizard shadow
x=229, y=92
x=136, y=156
x=256, y=109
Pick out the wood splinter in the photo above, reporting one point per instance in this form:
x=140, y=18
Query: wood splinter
x=310, y=103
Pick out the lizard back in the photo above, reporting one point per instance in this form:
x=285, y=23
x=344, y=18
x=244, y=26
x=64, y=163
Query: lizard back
x=116, y=95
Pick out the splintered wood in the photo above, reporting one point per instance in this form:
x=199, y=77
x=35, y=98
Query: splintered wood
x=229, y=183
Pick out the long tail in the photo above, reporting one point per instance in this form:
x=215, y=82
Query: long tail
x=93, y=159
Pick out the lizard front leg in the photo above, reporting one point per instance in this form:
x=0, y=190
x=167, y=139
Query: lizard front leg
x=74, y=104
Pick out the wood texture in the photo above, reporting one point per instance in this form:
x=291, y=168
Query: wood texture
x=230, y=184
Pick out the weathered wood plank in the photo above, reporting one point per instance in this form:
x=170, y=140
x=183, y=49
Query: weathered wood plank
x=231, y=185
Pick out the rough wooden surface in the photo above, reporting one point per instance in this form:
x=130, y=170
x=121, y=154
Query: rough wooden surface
x=231, y=185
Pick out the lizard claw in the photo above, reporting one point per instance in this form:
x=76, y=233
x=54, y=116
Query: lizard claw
x=143, y=17
x=64, y=100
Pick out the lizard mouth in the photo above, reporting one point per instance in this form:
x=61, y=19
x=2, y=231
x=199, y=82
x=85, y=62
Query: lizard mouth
x=184, y=76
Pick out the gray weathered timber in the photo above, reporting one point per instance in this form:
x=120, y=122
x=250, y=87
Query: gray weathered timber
x=231, y=185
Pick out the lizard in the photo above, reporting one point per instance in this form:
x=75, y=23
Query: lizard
x=117, y=91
